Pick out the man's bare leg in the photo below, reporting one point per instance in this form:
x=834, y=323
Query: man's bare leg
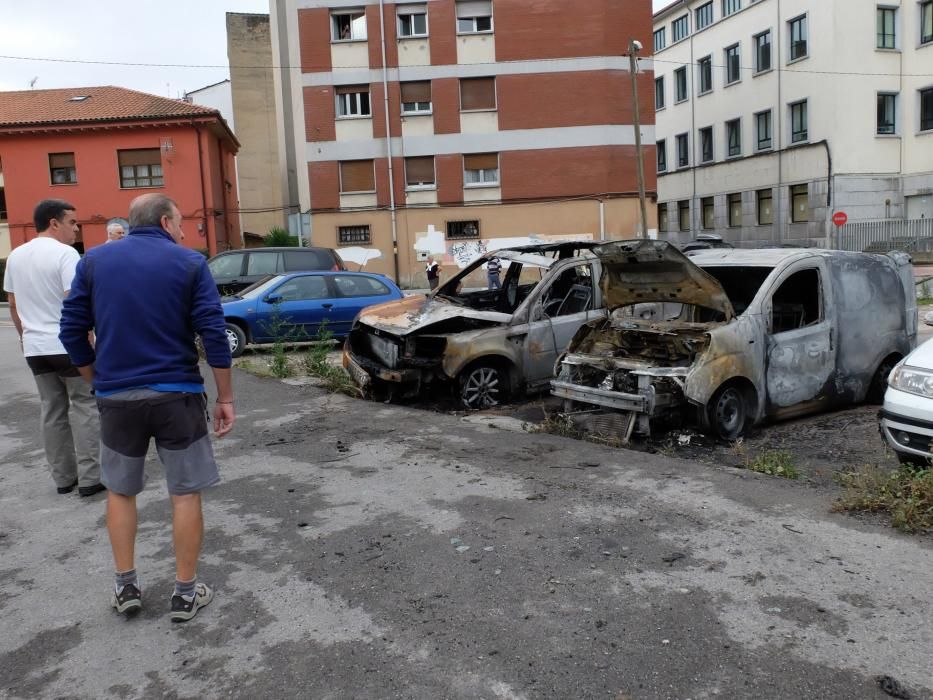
x=121, y=525
x=187, y=532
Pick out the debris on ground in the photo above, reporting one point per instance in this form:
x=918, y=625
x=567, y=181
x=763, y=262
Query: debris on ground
x=892, y=687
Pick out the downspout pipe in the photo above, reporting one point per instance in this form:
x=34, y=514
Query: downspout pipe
x=207, y=233
x=385, y=101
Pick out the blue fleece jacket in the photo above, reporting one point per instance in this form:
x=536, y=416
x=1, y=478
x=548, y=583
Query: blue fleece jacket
x=145, y=297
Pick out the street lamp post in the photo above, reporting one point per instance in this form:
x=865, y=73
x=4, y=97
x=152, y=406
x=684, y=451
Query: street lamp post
x=634, y=47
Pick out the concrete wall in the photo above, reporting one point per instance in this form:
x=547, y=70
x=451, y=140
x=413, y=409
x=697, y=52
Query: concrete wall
x=249, y=50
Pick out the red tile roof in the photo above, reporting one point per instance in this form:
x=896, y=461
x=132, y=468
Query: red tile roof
x=102, y=104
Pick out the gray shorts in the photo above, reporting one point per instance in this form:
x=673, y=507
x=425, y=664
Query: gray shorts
x=177, y=421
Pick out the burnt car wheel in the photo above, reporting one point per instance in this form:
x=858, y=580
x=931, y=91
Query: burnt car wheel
x=727, y=413
x=483, y=386
x=237, y=339
x=879, y=383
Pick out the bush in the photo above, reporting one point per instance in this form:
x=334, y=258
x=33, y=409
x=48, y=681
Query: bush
x=279, y=238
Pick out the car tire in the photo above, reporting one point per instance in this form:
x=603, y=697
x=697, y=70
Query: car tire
x=879, y=382
x=237, y=339
x=484, y=385
x=727, y=413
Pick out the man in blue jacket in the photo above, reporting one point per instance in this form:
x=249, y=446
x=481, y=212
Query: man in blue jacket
x=146, y=297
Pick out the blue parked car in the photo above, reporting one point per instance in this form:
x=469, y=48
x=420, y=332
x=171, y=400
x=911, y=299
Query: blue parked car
x=303, y=301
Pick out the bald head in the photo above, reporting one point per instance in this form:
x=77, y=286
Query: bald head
x=157, y=210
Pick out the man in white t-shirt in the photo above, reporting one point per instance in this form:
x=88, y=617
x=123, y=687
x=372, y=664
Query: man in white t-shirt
x=38, y=278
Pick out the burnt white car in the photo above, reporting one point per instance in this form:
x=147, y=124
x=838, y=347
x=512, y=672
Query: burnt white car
x=907, y=413
x=487, y=344
x=725, y=339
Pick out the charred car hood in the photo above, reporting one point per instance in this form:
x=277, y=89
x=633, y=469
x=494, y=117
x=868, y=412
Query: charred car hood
x=650, y=271
x=417, y=313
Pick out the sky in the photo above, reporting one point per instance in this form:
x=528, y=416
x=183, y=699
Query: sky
x=191, y=32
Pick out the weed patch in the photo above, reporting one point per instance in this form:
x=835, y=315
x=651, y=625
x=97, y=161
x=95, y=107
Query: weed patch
x=315, y=364
x=905, y=495
x=774, y=463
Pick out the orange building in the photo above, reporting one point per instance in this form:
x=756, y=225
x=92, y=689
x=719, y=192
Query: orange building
x=100, y=147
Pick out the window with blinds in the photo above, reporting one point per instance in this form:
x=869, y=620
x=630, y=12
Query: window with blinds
x=477, y=93
x=353, y=101
x=62, y=169
x=419, y=172
x=474, y=16
x=357, y=176
x=412, y=21
x=416, y=97
x=141, y=167
x=481, y=169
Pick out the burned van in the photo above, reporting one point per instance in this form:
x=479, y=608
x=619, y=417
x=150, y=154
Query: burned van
x=485, y=344
x=728, y=338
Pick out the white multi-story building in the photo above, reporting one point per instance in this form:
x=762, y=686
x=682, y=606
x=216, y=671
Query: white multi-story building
x=772, y=115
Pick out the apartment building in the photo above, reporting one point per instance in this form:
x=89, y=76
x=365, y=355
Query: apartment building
x=449, y=127
x=772, y=115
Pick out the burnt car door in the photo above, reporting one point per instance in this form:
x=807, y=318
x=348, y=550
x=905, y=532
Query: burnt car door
x=800, y=348
x=559, y=307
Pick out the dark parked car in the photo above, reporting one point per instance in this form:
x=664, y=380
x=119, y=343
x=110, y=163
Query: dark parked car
x=302, y=301
x=236, y=270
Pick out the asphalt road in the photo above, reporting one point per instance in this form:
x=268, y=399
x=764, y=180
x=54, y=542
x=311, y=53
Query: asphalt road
x=368, y=551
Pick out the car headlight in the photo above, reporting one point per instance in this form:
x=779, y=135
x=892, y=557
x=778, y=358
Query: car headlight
x=912, y=380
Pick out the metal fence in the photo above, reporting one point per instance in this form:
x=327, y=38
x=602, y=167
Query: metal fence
x=911, y=236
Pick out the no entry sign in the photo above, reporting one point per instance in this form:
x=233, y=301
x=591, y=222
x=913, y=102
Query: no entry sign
x=840, y=218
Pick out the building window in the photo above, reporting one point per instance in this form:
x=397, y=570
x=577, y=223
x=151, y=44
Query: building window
x=683, y=214
x=800, y=203
x=926, y=109
x=708, y=205
x=706, y=144
x=734, y=138
x=481, y=169
x=683, y=155
x=348, y=26
x=733, y=65
x=705, y=69
x=765, y=207
x=474, y=16
x=703, y=15
x=353, y=101
x=463, y=229
x=887, y=33
x=661, y=147
x=62, y=169
x=887, y=113
x=416, y=97
x=730, y=7
x=763, y=130
x=140, y=167
x=798, y=122
x=412, y=21
x=3, y=215
x=477, y=93
x=660, y=39
x=680, y=27
x=663, y=223
x=926, y=22
x=419, y=172
x=680, y=84
x=763, y=52
x=357, y=176
x=797, y=28
x=735, y=209
x=659, y=93
x=349, y=235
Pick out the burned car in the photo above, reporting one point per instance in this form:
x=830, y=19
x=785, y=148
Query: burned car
x=487, y=344
x=725, y=339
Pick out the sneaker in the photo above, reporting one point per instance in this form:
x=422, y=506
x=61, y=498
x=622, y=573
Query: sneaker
x=185, y=607
x=128, y=600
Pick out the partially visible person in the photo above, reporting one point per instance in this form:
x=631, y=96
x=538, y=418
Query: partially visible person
x=493, y=268
x=38, y=277
x=433, y=272
x=146, y=302
x=116, y=229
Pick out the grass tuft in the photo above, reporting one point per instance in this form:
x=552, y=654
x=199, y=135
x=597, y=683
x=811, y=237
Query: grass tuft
x=905, y=495
x=774, y=463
